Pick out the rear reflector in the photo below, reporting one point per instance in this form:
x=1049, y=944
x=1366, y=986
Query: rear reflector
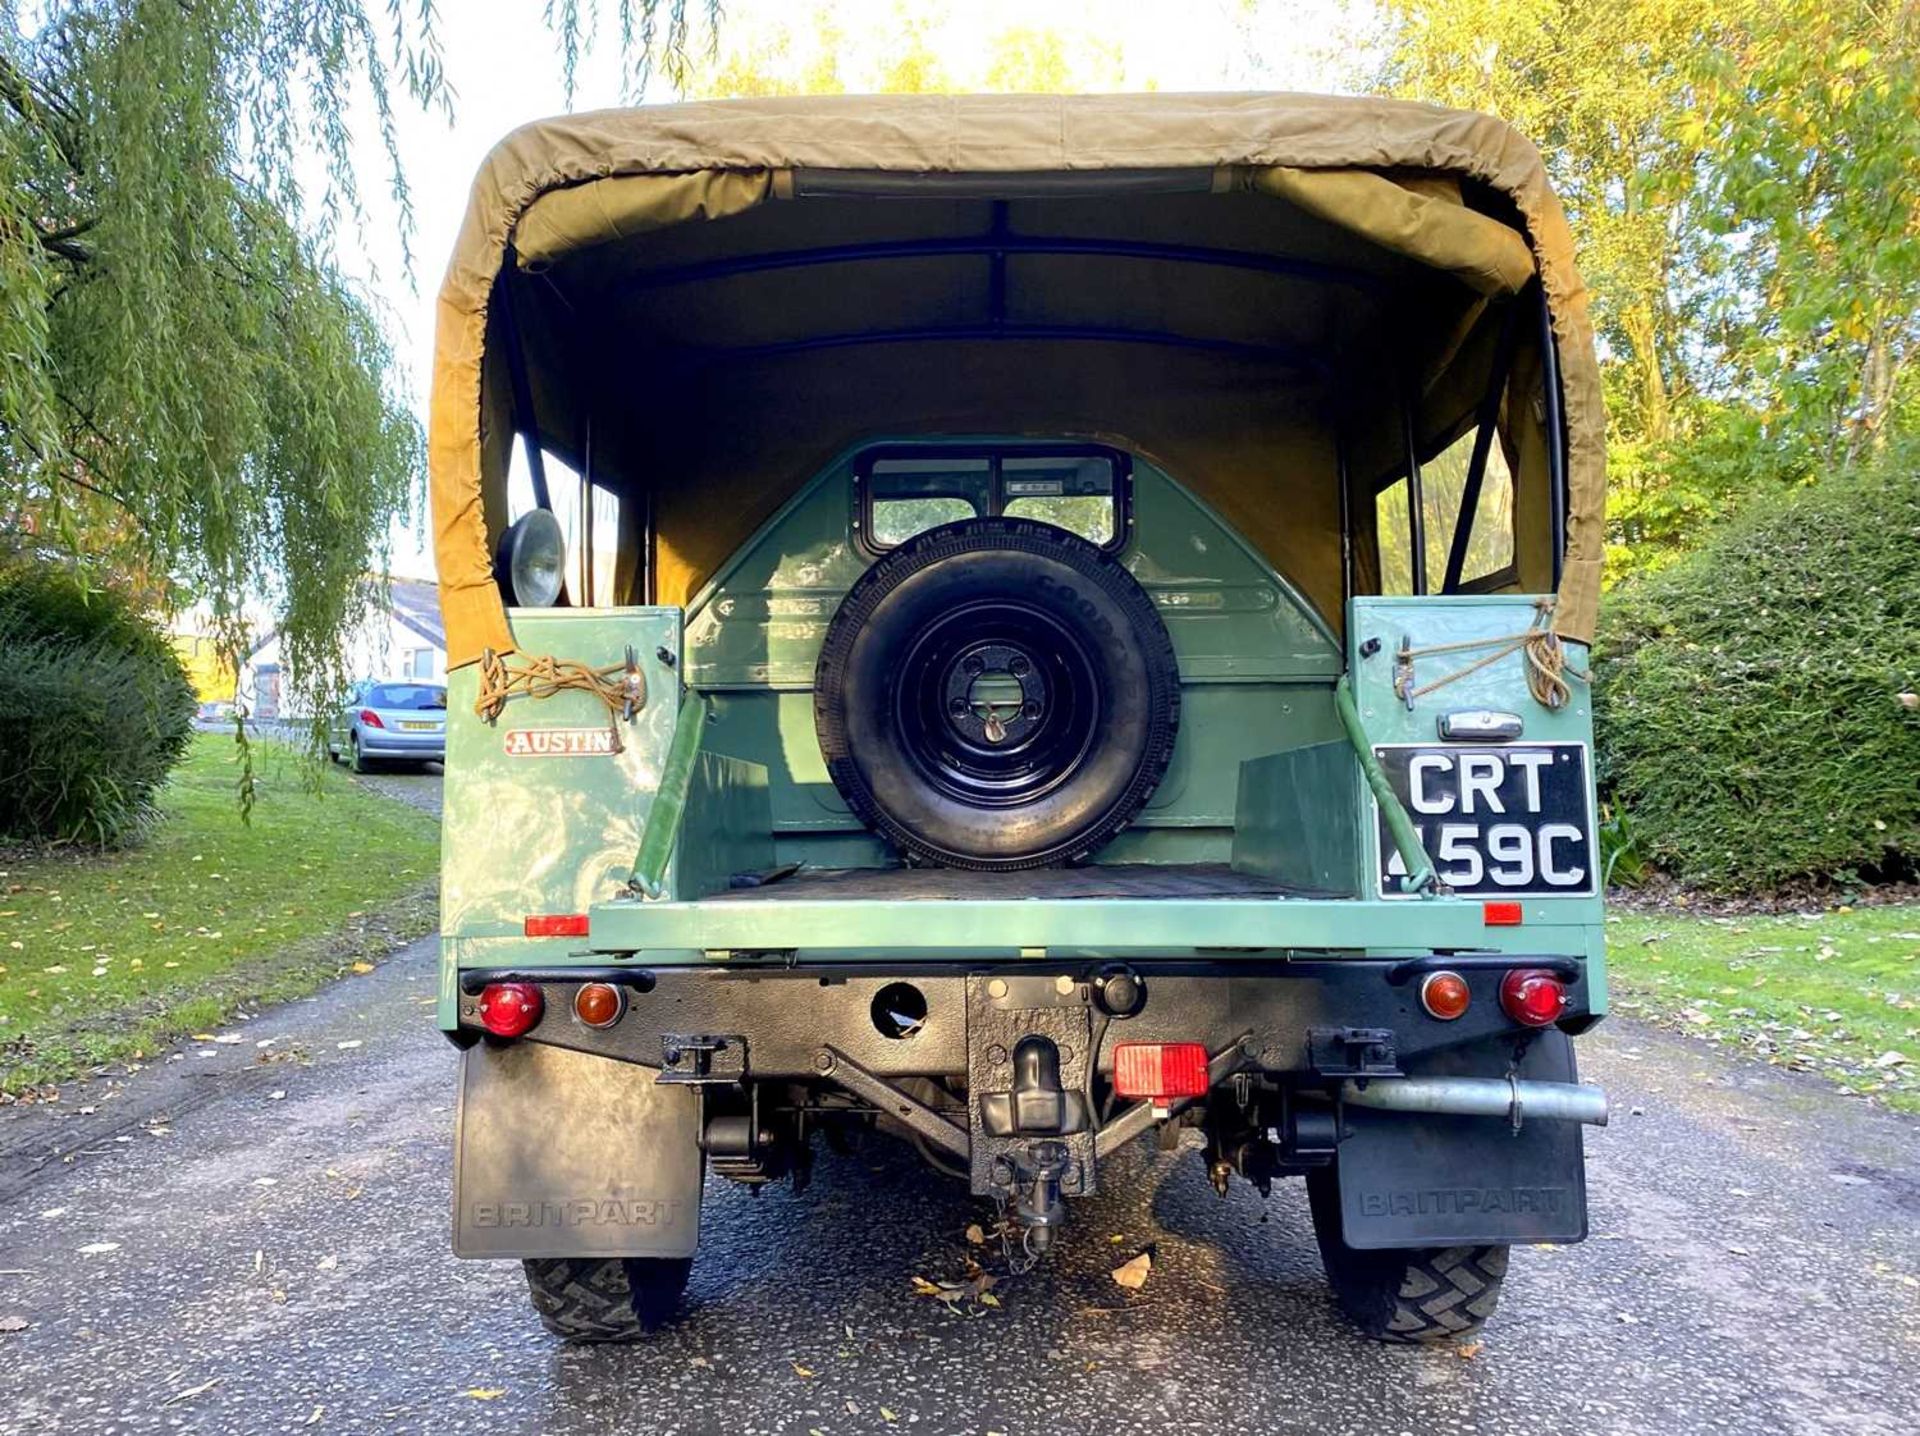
x=1533, y=998
x=556, y=924
x=1501, y=914
x=510, y=1009
x=1159, y=1071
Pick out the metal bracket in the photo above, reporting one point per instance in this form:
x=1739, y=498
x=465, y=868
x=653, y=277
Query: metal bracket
x=1352, y=1052
x=702, y=1060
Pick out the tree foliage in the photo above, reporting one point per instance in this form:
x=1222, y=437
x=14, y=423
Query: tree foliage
x=193, y=388
x=1744, y=183
x=192, y=392
x=1755, y=700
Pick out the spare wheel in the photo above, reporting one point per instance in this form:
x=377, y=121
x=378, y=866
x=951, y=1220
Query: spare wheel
x=997, y=693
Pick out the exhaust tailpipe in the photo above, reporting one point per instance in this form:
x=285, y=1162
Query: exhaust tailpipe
x=1482, y=1097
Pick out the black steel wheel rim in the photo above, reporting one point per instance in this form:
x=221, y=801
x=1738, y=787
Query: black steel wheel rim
x=998, y=703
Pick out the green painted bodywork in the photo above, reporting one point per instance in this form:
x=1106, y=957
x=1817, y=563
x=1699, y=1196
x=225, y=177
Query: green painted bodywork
x=1263, y=775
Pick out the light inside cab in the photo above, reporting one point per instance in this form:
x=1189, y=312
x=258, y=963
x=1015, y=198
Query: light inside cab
x=1160, y=1071
x=530, y=565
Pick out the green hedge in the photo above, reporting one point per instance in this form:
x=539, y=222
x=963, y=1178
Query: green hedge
x=1749, y=698
x=95, y=710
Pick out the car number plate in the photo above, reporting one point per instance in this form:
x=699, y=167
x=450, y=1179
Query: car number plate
x=420, y=727
x=1516, y=819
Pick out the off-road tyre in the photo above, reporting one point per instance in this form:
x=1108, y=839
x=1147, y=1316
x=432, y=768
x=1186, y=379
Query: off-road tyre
x=602, y=1299
x=1081, y=739
x=1411, y=1295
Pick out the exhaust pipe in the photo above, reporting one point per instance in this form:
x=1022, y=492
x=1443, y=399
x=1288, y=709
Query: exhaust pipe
x=1482, y=1097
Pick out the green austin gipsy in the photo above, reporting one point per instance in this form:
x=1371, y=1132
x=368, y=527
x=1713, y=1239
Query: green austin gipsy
x=1018, y=624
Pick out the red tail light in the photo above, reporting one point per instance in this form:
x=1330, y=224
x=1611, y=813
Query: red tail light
x=1501, y=914
x=1533, y=998
x=556, y=924
x=510, y=1009
x=1160, y=1071
x=370, y=719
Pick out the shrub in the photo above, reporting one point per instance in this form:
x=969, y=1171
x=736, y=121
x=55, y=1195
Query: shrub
x=95, y=710
x=1754, y=701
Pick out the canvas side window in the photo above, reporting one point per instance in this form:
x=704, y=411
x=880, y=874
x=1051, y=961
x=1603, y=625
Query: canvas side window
x=1443, y=484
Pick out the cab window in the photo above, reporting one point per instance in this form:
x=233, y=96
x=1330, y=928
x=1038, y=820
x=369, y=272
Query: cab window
x=905, y=493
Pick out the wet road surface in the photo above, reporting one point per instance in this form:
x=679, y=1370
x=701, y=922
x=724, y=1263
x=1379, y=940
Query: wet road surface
x=237, y=1244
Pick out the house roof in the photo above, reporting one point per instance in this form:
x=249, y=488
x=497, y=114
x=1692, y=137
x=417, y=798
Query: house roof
x=416, y=607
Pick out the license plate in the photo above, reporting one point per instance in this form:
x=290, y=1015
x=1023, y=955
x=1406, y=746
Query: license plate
x=421, y=727
x=1505, y=821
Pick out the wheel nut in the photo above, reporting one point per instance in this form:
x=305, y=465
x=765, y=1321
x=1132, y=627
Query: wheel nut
x=1063, y=985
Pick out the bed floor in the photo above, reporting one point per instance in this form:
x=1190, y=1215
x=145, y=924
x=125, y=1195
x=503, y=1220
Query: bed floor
x=1119, y=880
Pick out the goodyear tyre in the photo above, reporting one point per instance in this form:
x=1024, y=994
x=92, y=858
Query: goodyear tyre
x=997, y=694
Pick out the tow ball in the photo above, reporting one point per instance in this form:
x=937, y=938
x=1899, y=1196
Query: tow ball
x=1033, y=1117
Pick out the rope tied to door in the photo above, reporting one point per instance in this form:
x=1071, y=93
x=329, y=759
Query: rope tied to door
x=622, y=687
x=1543, y=656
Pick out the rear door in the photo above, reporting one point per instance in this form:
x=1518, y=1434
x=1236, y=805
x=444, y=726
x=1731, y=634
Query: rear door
x=1499, y=785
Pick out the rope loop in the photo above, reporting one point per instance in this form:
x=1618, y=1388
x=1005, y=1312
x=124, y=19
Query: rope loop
x=622, y=687
x=1543, y=656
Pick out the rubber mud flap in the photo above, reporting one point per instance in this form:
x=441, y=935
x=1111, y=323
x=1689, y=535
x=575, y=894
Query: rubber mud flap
x=564, y=1154
x=1414, y=1181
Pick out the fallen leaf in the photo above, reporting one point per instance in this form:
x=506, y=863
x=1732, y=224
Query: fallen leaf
x=987, y=1298
x=701, y=1362
x=800, y=1371
x=318, y=1412
x=485, y=1393
x=977, y=1235
x=192, y=1391
x=1469, y=1351
x=363, y=967
x=886, y=1415
x=1133, y=1275
x=923, y=1287
x=328, y=1263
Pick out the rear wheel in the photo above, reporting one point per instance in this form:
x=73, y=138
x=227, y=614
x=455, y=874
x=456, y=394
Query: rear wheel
x=1416, y=1294
x=597, y=1299
x=358, y=760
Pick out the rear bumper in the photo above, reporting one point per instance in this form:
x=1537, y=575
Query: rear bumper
x=787, y=1021
x=376, y=743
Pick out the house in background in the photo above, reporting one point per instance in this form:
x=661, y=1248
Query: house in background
x=401, y=637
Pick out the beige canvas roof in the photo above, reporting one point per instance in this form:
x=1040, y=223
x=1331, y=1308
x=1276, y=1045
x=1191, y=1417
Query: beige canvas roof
x=594, y=203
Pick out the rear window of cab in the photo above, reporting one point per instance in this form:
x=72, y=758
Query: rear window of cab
x=905, y=492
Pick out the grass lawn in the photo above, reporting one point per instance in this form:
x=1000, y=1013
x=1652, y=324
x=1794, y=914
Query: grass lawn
x=111, y=957
x=1835, y=993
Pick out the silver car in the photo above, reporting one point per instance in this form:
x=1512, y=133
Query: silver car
x=395, y=721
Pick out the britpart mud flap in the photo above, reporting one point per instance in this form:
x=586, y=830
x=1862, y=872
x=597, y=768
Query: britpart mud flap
x=1433, y=1181
x=563, y=1154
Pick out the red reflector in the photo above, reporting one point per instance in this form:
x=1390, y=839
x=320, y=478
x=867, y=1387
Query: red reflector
x=371, y=718
x=556, y=924
x=510, y=1009
x=1533, y=998
x=1501, y=914
x=1160, y=1070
